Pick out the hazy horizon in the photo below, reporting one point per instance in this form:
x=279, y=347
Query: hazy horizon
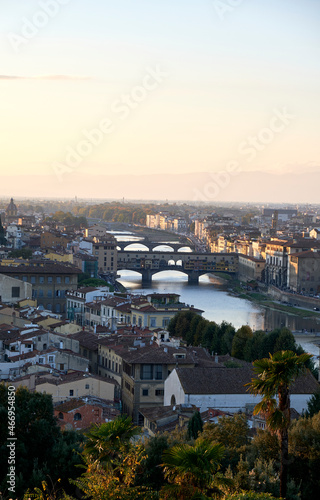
x=100, y=97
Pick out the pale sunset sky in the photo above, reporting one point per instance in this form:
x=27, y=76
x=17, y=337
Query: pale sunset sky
x=100, y=88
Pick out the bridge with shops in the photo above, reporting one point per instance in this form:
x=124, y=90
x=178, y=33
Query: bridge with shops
x=193, y=265
x=152, y=245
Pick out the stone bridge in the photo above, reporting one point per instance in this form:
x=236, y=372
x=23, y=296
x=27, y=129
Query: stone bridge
x=152, y=245
x=192, y=264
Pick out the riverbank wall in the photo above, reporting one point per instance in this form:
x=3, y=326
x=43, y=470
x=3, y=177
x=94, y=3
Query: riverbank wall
x=293, y=298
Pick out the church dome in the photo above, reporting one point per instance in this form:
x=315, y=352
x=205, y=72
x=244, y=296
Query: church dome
x=11, y=209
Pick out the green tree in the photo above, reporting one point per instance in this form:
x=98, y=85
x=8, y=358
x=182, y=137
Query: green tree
x=114, y=480
x=253, y=347
x=313, y=405
x=193, y=471
x=304, y=448
x=25, y=253
x=232, y=432
x=104, y=441
x=239, y=341
x=112, y=462
x=210, y=338
x=226, y=333
x=264, y=445
x=152, y=475
x=274, y=377
x=285, y=341
x=41, y=449
x=195, y=425
x=179, y=326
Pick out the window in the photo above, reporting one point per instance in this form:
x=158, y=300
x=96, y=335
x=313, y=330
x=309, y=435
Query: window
x=159, y=392
x=87, y=386
x=34, y=294
x=146, y=372
x=49, y=295
x=58, y=279
x=145, y=392
x=71, y=392
x=153, y=322
x=33, y=279
x=67, y=279
x=40, y=293
x=158, y=372
x=77, y=416
x=15, y=292
x=24, y=278
x=61, y=415
x=41, y=279
x=51, y=359
x=41, y=361
x=49, y=279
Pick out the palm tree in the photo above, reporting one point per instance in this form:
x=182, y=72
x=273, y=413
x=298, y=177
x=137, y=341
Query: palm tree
x=104, y=441
x=275, y=375
x=193, y=470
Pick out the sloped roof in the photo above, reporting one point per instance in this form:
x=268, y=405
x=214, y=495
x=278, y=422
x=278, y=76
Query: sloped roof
x=222, y=380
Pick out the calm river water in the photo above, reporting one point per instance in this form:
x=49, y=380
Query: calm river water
x=212, y=296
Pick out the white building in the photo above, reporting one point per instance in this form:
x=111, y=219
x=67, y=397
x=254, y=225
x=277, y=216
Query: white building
x=224, y=388
x=77, y=299
x=14, y=236
x=13, y=290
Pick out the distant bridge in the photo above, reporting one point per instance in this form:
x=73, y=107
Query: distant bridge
x=152, y=245
x=192, y=264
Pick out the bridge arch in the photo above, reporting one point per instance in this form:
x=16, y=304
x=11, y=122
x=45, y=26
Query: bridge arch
x=186, y=249
x=176, y=270
x=160, y=248
x=142, y=247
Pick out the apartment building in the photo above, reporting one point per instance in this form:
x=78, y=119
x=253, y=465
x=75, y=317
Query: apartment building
x=304, y=272
x=50, y=281
x=276, y=266
x=105, y=251
x=77, y=300
x=250, y=268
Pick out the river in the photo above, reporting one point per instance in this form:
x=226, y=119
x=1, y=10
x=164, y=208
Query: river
x=212, y=296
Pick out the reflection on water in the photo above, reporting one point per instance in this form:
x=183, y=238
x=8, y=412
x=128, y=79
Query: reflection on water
x=212, y=297
x=119, y=233
x=209, y=296
x=130, y=238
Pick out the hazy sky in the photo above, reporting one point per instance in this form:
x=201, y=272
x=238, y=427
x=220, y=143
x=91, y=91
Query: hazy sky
x=92, y=88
